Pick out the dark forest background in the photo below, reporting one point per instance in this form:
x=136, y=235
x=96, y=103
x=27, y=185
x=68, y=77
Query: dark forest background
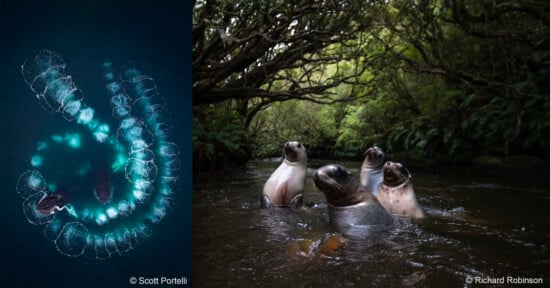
x=445, y=80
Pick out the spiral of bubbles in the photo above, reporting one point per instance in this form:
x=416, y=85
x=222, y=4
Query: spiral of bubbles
x=98, y=190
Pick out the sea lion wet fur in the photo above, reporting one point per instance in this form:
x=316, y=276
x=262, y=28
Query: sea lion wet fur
x=285, y=187
x=397, y=192
x=371, y=175
x=347, y=200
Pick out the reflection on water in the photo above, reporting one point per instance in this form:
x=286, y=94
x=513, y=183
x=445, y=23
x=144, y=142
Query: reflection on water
x=475, y=227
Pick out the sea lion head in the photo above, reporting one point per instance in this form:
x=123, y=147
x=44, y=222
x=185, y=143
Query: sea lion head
x=395, y=174
x=294, y=151
x=374, y=158
x=338, y=185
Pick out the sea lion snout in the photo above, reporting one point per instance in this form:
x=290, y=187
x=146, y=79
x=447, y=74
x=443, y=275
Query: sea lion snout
x=376, y=155
x=318, y=176
x=294, y=151
x=395, y=173
x=388, y=167
x=327, y=178
x=390, y=174
x=287, y=148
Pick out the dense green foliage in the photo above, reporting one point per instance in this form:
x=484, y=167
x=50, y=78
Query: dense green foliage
x=448, y=79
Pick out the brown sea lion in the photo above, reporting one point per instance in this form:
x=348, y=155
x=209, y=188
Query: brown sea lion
x=397, y=193
x=285, y=187
x=348, y=202
x=50, y=203
x=371, y=170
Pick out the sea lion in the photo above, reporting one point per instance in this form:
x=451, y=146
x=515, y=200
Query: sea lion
x=371, y=170
x=349, y=203
x=50, y=203
x=285, y=187
x=397, y=193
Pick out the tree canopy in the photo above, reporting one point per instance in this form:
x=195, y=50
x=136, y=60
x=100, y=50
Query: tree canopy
x=273, y=51
x=448, y=78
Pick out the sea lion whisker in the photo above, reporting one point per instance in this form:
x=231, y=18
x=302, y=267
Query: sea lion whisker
x=336, y=187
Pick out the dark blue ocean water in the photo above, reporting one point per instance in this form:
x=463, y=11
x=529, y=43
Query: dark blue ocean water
x=87, y=33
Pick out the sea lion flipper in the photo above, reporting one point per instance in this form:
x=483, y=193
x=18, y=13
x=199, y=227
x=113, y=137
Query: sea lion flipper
x=265, y=202
x=297, y=202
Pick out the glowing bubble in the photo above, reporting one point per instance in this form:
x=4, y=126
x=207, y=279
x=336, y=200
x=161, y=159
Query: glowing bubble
x=121, y=111
x=166, y=191
x=127, y=123
x=142, y=184
x=120, y=100
x=53, y=229
x=110, y=76
x=92, y=124
x=73, y=140
x=101, y=137
x=57, y=138
x=137, y=170
x=36, y=181
x=72, y=108
x=169, y=149
x=101, y=133
x=101, y=219
x=52, y=187
x=72, y=239
x=173, y=164
x=30, y=183
x=140, y=195
x=41, y=146
x=113, y=87
x=85, y=115
x=122, y=239
x=119, y=162
x=123, y=208
x=111, y=212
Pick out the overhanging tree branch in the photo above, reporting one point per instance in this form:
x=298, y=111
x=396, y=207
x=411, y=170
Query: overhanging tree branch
x=241, y=49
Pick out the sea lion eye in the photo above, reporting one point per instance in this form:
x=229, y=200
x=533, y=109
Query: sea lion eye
x=404, y=170
x=336, y=171
x=299, y=145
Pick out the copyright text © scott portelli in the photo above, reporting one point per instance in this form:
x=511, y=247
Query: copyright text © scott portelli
x=158, y=281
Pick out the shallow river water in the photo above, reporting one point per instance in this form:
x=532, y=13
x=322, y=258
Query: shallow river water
x=476, y=230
